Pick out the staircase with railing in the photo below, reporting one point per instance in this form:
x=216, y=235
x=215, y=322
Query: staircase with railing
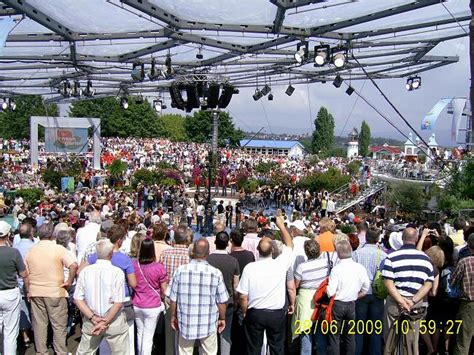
x=345, y=198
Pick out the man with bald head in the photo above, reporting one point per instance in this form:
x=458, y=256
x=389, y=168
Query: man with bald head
x=408, y=275
x=218, y=227
x=262, y=294
x=198, y=298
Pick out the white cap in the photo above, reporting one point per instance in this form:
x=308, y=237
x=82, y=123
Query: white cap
x=4, y=229
x=395, y=240
x=298, y=224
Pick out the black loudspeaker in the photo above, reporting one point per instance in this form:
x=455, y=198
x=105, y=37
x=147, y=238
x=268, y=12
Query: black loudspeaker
x=213, y=95
x=226, y=96
x=176, y=97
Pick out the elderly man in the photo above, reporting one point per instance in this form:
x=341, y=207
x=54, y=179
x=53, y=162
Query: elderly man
x=99, y=295
x=11, y=265
x=408, y=275
x=87, y=235
x=198, y=302
x=48, y=291
x=348, y=282
x=262, y=289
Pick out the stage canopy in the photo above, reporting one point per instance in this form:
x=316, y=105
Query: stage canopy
x=245, y=42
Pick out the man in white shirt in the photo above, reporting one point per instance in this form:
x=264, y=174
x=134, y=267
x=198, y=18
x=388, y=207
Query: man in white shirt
x=99, y=295
x=262, y=295
x=348, y=282
x=200, y=212
x=87, y=235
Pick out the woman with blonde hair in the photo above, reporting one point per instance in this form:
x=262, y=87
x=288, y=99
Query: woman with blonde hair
x=135, y=245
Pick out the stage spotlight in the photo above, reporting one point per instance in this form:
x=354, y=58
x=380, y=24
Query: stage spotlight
x=199, y=54
x=339, y=60
x=4, y=104
x=89, y=91
x=213, y=95
x=321, y=54
x=337, y=81
x=124, y=103
x=226, y=96
x=159, y=106
x=169, y=67
x=154, y=73
x=266, y=89
x=12, y=104
x=413, y=83
x=290, y=90
x=349, y=90
x=76, y=90
x=258, y=95
x=270, y=97
x=138, y=71
x=176, y=97
x=65, y=88
x=416, y=82
x=301, y=53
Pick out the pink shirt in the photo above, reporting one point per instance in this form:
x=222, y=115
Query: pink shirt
x=147, y=293
x=250, y=243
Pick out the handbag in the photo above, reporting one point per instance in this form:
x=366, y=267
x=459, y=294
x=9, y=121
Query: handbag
x=378, y=285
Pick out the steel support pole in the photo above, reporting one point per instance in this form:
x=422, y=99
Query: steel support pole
x=213, y=152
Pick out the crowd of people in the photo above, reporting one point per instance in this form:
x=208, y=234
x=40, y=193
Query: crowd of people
x=158, y=270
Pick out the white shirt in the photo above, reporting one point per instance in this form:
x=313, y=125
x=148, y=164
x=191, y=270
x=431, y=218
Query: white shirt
x=346, y=280
x=100, y=285
x=298, y=251
x=331, y=206
x=200, y=210
x=264, y=281
x=85, y=237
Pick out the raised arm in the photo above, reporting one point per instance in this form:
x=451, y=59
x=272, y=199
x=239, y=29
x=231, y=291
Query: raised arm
x=285, y=236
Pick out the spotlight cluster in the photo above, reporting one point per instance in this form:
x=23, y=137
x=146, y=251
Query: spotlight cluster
x=413, y=83
x=8, y=104
x=323, y=54
x=66, y=89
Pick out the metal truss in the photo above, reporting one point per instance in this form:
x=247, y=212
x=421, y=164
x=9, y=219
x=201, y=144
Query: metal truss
x=385, y=52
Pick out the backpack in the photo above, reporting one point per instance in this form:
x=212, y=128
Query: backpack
x=451, y=291
x=322, y=302
x=378, y=285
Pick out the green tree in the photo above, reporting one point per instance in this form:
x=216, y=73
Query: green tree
x=199, y=128
x=408, y=197
x=323, y=135
x=173, y=126
x=364, y=139
x=16, y=124
x=139, y=120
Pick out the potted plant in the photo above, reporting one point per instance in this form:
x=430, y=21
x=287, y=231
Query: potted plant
x=117, y=170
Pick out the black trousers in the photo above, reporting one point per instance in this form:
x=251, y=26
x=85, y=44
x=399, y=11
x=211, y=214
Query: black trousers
x=342, y=343
x=273, y=322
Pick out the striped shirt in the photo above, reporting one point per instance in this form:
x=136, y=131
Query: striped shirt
x=409, y=269
x=312, y=272
x=100, y=285
x=367, y=256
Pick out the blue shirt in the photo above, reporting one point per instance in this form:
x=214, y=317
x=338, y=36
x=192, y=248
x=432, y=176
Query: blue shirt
x=121, y=261
x=23, y=245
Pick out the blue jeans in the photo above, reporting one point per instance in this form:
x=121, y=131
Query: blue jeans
x=369, y=309
x=315, y=336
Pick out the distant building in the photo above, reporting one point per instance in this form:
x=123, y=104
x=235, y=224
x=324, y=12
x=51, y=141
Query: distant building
x=286, y=148
x=385, y=152
x=353, y=144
